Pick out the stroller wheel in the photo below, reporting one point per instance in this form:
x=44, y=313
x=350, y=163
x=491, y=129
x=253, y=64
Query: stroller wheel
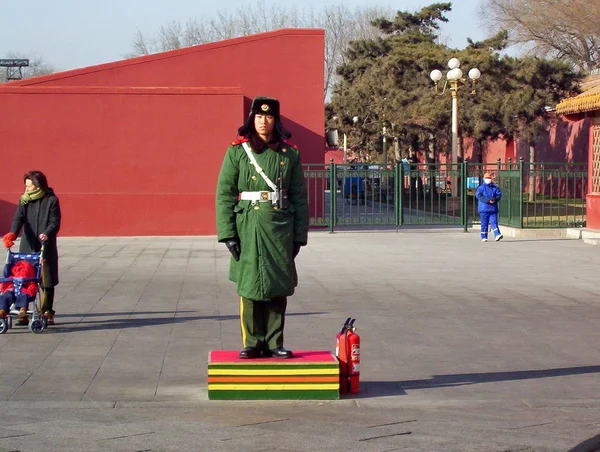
x=36, y=326
x=4, y=325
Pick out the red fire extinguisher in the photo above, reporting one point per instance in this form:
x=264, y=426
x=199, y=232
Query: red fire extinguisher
x=338, y=335
x=347, y=350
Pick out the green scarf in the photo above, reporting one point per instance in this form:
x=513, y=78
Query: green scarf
x=32, y=196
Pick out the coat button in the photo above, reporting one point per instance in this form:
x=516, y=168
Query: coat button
x=282, y=163
x=253, y=177
x=256, y=207
x=284, y=150
x=275, y=208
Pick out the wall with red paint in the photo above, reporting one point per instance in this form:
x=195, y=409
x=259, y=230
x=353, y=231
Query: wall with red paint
x=593, y=211
x=565, y=140
x=592, y=198
x=337, y=155
x=287, y=64
x=122, y=161
x=134, y=147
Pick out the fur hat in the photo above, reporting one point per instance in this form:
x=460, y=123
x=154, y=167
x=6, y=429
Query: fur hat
x=22, y=269
x=264, y=106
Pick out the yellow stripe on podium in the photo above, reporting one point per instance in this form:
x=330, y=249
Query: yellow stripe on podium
x=273, y=387
x=308, y=375
x=331, y=371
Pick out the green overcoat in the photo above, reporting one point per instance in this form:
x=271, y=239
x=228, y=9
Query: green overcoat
x=267, y=234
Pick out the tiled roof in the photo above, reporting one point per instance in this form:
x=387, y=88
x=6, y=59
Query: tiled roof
x=588, y=100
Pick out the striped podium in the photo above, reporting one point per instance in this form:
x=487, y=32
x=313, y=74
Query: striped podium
x=309, y=375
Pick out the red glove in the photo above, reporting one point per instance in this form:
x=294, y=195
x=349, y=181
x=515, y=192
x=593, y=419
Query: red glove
x=30, y=290
x=9, y=239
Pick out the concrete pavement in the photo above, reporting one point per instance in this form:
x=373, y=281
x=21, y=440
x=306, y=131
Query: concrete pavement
x=466, y=346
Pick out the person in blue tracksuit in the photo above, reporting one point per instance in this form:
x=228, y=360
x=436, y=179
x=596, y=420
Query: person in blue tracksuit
x=488, y=195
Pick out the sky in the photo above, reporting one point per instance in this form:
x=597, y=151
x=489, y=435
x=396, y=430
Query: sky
x=69, y=34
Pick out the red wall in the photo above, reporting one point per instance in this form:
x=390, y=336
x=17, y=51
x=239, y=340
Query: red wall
x=287, y=64
x=593, y=211
x=134, y=147
x=123, y=161
x=337, y=155
x=592, y=198
x=566, y=140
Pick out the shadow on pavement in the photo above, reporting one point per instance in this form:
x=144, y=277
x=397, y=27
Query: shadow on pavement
x=106, y=314
x=387, y=388
x=517, y=240
x=589, y=445
x=122, y=323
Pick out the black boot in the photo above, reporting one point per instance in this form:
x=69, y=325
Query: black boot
x=250, y=353
x=281, y=352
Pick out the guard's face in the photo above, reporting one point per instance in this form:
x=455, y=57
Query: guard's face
x=264, y=124
x=29, y=187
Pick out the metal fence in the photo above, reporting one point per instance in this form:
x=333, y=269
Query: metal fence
x=535, y=195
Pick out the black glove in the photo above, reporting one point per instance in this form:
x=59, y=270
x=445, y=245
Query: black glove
x=297, y=247
x=233, y=245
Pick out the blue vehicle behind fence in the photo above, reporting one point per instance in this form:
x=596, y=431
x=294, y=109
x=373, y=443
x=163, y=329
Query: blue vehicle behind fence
x=355, y=189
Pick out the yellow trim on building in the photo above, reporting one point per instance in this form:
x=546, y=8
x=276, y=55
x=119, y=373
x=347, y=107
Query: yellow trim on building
x=588, y=101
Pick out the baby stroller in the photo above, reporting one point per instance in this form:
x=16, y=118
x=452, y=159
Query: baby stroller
x=37, y=319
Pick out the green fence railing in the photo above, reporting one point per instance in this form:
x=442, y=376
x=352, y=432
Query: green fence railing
x=535, y=195
x=554, y=195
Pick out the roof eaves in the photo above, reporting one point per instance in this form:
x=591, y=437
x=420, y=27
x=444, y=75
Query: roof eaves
x=582, y=103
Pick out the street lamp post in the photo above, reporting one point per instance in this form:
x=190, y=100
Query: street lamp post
x=384, y=144
x=354, y=122
x=345, y=149
x=334, y=131
x=454, y=78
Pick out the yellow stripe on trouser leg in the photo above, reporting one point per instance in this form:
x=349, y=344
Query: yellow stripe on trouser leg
x=252, y=322
x=244, y=333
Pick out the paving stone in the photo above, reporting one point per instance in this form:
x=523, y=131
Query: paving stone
x=466, y=346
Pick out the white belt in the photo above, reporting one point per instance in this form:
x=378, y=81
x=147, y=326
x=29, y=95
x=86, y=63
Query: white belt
x=263, y=196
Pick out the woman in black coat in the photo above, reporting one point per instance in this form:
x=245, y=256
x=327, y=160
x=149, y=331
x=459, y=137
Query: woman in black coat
x=38, y=215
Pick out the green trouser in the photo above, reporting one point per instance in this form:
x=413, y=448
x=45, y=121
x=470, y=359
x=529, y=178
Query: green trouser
x=262, y=322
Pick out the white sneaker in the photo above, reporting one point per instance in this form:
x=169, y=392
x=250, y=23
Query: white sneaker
x=484, y=240
x=499, y=237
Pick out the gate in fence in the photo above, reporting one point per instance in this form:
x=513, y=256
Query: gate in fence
x=534, y=195
x=510, y=183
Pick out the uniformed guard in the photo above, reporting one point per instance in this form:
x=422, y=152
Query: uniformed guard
x=262, y=217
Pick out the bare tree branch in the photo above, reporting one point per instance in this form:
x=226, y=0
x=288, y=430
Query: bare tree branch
x=566, y=29
x=340, y=24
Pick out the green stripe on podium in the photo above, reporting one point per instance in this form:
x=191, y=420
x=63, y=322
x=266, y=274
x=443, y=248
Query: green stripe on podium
x=274, y=395
x=309, y=375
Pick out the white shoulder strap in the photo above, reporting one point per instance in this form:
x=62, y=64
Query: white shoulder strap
x=259, y=170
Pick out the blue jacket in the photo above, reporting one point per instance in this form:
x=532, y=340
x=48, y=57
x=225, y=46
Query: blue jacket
x=484, y=194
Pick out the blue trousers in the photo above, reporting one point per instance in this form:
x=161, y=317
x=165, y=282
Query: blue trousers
x=7, y=298
x=488, y=218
